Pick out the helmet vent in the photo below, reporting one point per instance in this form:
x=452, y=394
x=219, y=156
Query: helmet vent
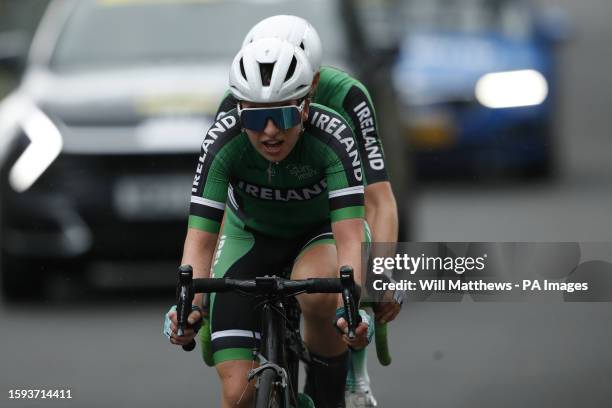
x=242, y=69
x=291, y=69
x=302, y=46
x=265, y=69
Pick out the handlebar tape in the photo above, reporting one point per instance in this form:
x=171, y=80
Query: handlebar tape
x=210, y=285
x=382, y=344
x=325, y=285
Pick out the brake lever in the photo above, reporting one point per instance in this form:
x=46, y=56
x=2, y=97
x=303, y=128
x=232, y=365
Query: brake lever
x=349, y=300
x=184, y=299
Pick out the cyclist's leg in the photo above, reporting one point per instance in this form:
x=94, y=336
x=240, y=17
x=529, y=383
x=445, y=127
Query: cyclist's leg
x=235, y=391
x=358, y=390
x=318, y=258
x=319, y=261
x=326, y=375
x=234, y=318
x=232, y=326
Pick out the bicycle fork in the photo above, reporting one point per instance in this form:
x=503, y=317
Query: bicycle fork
x=274, y=328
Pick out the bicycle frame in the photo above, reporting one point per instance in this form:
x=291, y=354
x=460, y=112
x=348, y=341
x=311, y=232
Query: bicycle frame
x=274, y=351
x=279, y=360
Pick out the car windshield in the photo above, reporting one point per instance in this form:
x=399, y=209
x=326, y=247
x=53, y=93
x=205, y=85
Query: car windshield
x=103, y=33
x=508, y=17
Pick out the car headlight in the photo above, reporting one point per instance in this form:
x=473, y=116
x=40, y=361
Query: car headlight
x=512, y=89
x=45, y=145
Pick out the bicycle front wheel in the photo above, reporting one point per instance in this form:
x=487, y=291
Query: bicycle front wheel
x=269, y=394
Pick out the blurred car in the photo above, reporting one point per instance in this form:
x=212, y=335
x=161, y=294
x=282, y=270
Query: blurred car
x=99, y=142
x=477, y=79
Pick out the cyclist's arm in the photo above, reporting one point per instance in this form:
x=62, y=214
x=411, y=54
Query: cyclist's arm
x=348, y=235
x=381, y=212
x=344, y=179
x=208, y=197
x=380, y=204
x=333, y=142
x=198, y=252
x=381, y=209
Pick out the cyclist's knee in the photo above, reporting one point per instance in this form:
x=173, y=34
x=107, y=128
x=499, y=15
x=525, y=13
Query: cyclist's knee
x=236, y=391
x=237, y=394
x=318, y=261
x=319, y=306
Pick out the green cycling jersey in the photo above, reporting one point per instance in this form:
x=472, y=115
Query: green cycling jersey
x=320, y=180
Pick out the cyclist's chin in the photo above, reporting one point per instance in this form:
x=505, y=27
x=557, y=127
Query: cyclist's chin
x=274, y=155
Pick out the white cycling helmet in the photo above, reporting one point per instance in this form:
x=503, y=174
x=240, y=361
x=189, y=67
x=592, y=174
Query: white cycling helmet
x=293, y=29
x=270, y=70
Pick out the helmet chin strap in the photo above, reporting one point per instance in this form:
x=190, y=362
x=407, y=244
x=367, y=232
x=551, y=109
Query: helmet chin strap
x=305, y=102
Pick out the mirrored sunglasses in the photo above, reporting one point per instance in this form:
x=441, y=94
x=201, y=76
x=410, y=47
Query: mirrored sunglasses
x=284, y=117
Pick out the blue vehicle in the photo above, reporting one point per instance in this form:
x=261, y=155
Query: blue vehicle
x=478, y=88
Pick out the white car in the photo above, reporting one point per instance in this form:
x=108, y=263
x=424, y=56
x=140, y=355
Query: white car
x=99, y=141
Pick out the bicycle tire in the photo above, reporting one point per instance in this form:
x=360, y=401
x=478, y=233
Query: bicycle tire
x=267, y=394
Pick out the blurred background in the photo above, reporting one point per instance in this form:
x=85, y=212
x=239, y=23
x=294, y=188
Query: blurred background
x=493, y=115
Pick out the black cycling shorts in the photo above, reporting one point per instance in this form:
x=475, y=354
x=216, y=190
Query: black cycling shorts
x=245, y=254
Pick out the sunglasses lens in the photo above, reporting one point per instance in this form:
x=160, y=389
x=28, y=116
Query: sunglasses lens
x=284, y=117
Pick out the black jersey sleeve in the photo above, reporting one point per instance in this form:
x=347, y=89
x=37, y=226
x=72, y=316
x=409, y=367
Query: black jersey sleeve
x=358, y=106
x=343, y=172
x=211, y=180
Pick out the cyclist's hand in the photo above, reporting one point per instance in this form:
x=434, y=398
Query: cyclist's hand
x=171, y=327
x=364, y=331
x=388, y=309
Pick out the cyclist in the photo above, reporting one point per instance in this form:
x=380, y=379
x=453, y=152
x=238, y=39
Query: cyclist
x=291, y=175
x=349, y=97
